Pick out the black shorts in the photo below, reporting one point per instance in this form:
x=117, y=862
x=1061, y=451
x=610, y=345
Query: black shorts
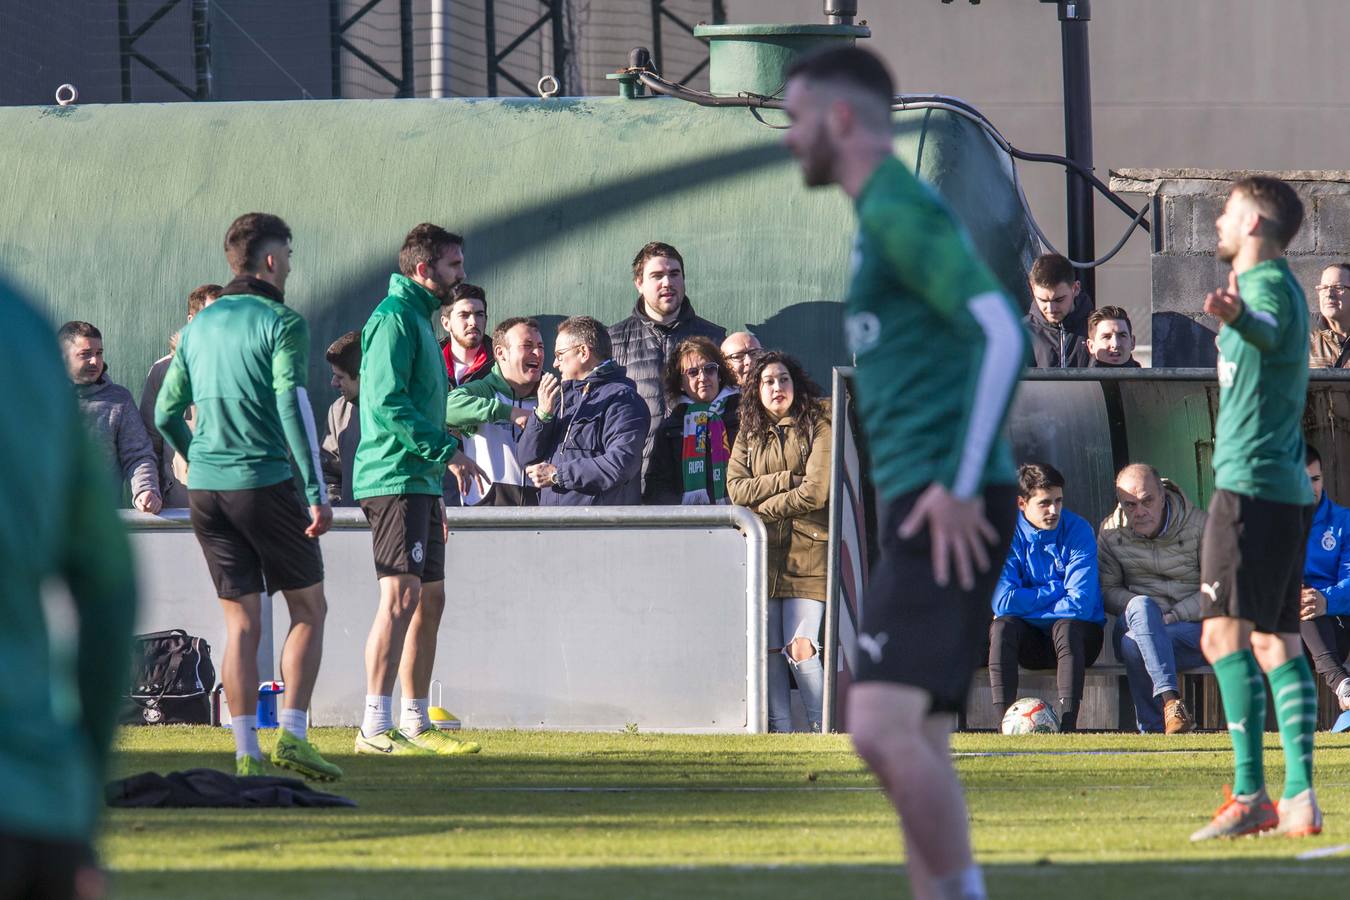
x=1251, y=560
x=916, y=633
x=44, y=869
x=255, y=539
x=407, y=531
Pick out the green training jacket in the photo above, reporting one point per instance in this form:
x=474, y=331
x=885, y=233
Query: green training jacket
x=60, y=697
x=404, y=445
x=243, y=361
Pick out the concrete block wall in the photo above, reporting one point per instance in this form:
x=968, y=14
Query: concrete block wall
x=1183, y=267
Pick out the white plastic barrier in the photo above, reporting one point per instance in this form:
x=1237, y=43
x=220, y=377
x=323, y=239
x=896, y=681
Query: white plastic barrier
x=586, y=619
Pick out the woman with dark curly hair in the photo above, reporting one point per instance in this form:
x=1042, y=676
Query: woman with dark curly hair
x=693, y=444
x=780, y=468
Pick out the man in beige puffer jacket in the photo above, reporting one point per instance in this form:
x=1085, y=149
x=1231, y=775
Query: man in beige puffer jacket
x=1148, y=554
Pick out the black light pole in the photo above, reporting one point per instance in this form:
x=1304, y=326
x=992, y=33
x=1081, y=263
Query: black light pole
x=1074, y=16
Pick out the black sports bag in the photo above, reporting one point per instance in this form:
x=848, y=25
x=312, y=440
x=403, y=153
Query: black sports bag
x=171, y=680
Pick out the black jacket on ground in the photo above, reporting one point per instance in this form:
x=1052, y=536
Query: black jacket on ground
x=641, y=347
x=1062, y=346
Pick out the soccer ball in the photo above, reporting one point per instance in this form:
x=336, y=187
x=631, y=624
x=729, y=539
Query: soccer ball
x=1030, y=715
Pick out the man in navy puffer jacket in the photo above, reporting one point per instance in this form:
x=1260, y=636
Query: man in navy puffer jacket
x=1048, y=605
x=590, y=452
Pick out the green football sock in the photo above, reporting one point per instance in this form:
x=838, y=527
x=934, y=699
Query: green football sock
x=1295, y=695
x=1244, y=704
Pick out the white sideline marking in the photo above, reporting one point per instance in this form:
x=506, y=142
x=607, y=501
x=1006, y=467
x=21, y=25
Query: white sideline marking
x=1322, y=851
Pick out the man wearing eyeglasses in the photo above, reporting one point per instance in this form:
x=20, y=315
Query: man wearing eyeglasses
x=589, y=451
x=741, y=349
x=1329, y=346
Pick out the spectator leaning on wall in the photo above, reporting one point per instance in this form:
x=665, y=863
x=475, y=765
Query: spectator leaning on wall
x=172, y=466
x=1057, y=319
x=343, y=432
x=1329, y=346
x=111, y=414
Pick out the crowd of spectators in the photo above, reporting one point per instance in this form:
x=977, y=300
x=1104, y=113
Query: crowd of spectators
x=664, y=407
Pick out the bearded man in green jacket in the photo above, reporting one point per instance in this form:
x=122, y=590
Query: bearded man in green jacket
x=396, y=477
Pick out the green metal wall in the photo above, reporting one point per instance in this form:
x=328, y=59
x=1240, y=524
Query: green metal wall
x=113, y=213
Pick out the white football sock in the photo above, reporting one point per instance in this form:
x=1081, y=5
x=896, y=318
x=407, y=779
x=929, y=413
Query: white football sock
x=414, y=719
x=245, y=736
x=295, y=721
x=379, y=716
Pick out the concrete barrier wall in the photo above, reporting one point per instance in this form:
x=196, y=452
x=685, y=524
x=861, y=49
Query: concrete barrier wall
x=573, y=619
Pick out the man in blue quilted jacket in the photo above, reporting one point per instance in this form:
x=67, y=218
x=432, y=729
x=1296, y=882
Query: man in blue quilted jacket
x=589, y=452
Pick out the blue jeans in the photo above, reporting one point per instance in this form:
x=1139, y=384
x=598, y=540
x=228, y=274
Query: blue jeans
x=1152, y=653
x=789, y=618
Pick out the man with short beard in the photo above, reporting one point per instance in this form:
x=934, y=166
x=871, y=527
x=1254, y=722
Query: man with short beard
x=1330, y=345
x=111, y=414
x=492, y=413
x=924, y=312
x=467, y=349
x=397, y=474
x=661, y=318
x=1251, y=557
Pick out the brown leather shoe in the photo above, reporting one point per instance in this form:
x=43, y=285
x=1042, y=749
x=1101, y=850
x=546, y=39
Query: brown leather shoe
x=1177, y=718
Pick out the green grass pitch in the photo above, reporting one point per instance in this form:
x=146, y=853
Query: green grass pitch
x=599, y=816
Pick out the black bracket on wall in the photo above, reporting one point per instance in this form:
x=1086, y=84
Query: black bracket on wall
x=201, y=48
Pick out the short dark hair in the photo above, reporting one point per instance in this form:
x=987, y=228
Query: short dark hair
x=77, y=329
x=1310, y=455
x=505, y=325
x=852, y=65
x=202, y=295
x=466, y=291
x=1037, y=476
x=345, y=353
x=1277, y=203
x=807, y=405
x=651, y=250
x=245, y=238
x=590, y=332
x=426, y=243
x=1051, y=269
x=1105, y=314
x=672, y=375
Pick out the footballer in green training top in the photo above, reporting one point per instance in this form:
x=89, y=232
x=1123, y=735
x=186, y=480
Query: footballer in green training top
x=939, y=350
x=243, y=362
x=1251, y=558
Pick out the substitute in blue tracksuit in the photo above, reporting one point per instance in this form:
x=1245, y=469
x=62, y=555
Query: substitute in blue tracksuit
x=1325, y=609
x=1048, y=605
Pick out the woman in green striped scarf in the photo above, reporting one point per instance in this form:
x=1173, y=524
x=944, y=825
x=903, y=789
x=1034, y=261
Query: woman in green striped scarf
x=692, y=447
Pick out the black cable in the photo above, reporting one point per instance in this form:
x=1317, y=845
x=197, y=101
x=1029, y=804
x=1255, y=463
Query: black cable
x=905, y=101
